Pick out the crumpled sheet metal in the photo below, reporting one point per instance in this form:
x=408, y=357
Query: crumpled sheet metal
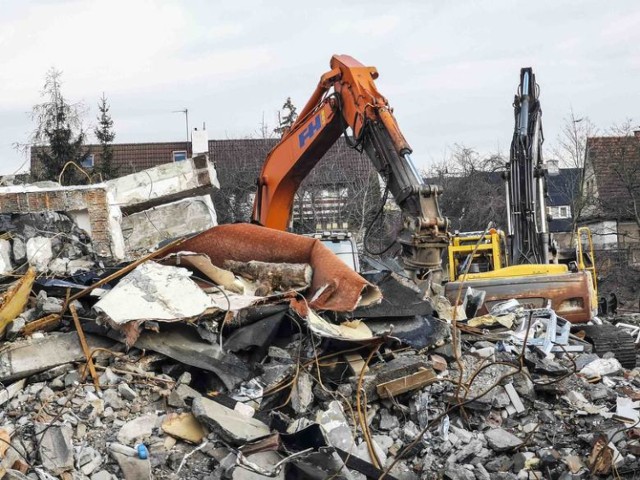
x=334, y=285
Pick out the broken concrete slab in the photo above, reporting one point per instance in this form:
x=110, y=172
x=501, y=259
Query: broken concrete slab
x=132, y=468
x=230, y=424
x=56, y=448
x=185, y=346
x=500, y=440
x=98, y=209
x=144, y=230
x=137, y=430
x=336, y=427
x=163, y=183
x=26, y=357
x=152, y=292
x=11, y=391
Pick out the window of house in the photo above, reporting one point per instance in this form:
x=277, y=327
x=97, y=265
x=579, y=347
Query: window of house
x=563, y=212
x=179, y=155
x=87, y=162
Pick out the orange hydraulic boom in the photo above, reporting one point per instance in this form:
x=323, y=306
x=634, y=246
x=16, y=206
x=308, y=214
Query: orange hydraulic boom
x=347, y=97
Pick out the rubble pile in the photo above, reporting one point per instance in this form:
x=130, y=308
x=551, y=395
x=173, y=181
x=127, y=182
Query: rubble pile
x=246, y=353
x=50, y=241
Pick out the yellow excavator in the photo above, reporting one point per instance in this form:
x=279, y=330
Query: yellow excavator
x=518, y=264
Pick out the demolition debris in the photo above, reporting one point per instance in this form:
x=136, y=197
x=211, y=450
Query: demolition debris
x=246, y=353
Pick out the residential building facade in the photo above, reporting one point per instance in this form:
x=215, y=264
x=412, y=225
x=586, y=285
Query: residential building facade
x=612, y=189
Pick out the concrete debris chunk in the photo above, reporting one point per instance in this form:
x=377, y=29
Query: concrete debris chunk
x=153, y=292
x=601, y=367
x=231, y=425
x=5, y=257
x=132, y=468
x=137, y=430
x=39, y=253
x=302, y=395
x=500, y=440
x=127, y=392
x=56, y=448
x=334, y=423
x=388, y=421
x=37, y=354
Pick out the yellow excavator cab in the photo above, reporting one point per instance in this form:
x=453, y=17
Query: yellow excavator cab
x=487, y=252
x=488, y=260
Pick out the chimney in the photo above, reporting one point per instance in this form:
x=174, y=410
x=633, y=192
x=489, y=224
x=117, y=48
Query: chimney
x=553, y=167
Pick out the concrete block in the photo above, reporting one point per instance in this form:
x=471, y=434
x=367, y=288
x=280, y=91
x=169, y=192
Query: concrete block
x=163, y=183
x=5, y=257
x=143, y=230
x=39, y=253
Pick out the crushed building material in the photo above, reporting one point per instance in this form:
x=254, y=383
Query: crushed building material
x=318, y=373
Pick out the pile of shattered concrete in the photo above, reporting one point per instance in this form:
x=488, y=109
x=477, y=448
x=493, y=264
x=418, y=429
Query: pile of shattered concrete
x=245, y=353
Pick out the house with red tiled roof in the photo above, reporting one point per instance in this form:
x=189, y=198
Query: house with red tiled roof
x=612, y=189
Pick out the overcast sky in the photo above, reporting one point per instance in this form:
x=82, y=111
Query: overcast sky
x=449, y=69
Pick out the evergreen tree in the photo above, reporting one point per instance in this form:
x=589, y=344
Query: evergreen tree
x=286, y=117
x=58, y=136
x=105, y=135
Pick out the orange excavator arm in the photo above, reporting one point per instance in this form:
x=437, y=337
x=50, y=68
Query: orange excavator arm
x=346, y=96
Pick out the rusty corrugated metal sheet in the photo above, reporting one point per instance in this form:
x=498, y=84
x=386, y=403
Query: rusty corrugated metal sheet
x=334, y=285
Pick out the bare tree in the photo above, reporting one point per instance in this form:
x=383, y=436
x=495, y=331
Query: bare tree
x=571, y=145
x=234, y=200
x=571, y=151
x=337, y=193
x=473, y=188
